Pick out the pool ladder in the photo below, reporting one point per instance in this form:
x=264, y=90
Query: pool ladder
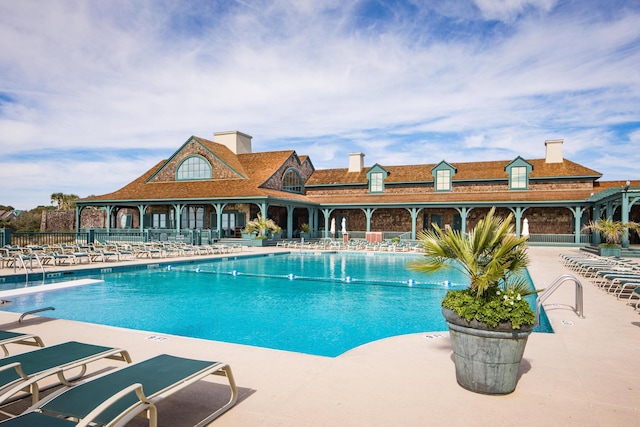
x=30, y=258
x=546, y=293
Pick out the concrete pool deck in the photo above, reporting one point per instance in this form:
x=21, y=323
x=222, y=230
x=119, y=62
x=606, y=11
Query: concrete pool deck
x=586, y=373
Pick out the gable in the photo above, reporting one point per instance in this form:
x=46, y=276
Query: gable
x=281, y=165
x=213, y=153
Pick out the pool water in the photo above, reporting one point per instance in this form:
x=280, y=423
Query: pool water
x=323, y=304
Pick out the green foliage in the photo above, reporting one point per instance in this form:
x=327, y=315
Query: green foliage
x=395, y=240
x=260, y=225
x=493, y=258
x=29, y=221
x=496, y=306
x=305, y=228
x=63, y=201
x=611, y=231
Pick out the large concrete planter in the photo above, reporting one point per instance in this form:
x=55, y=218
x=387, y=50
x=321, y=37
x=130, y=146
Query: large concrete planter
x=609, y=251
x=487, y=359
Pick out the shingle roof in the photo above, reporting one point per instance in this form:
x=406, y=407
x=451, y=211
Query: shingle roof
x=453, y=197
x=464, y=171
x=254, y=169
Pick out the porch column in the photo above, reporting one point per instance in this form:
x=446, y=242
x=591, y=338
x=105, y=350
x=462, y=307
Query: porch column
x=219, y=207
x=414, y=221
x=142, y=209
x=577, y=215
x=290, y=209
x=518, y=211
x=178, y=210
x=624, y=212
x=109, y=211
x=368, y=213
x=264, y=207
x=327, y=214
x=78, y=211
x=610, y=210
x=312, y=225
x=464, y=212
x=596, y=216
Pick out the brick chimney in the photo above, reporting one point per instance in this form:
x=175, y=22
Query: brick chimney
x=554, y=150
x=356, y=162
x=238, y=142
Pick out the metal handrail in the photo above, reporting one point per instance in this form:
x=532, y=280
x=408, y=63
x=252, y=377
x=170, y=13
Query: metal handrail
x=33, y=312
x=24, y=265
x=579, y=309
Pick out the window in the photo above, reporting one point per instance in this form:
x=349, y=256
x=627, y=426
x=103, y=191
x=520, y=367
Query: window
x=443, y=174
x=292, y=182
x=159, y=220
x=519, y=177
x=519, y=171
x=194, y=168
x=443, y=180
x=376, y=176
x=375, y=182
x=192, y=217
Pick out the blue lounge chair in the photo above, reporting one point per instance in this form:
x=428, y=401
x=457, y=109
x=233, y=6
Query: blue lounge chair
x=7, y=337
x=117, y=397
x=22, y=372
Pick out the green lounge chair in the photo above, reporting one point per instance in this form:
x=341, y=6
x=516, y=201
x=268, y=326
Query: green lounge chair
x=23, y=371
x=7, y=337
x=117, y=397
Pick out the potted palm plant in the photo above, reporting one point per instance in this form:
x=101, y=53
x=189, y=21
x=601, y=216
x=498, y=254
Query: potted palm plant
x=612, y=232
x=489, y=322
x=260, y=228
x=305, y=230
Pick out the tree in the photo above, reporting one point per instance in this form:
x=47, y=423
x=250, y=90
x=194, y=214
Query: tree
x=63, y=201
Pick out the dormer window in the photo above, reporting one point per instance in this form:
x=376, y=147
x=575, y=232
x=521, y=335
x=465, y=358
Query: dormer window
x=194, y=167
x=443, y=180
x=376, y=177
x=442, y=175
x=375, y=183
x=519, y=177
x=519, y=171
x=292, y=182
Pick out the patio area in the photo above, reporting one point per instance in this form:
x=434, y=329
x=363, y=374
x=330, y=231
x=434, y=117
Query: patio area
x=584, y=374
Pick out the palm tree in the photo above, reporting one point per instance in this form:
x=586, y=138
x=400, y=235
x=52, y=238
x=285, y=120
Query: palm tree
x=490, y=255
x=611, y=231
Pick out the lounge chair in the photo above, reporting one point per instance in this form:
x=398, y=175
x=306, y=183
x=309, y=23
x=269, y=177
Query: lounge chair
x=7, y=337
x=24, y=371
x=117, y=397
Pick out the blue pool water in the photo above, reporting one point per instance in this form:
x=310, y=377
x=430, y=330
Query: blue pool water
x=323, y=304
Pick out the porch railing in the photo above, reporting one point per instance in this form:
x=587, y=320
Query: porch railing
x=7, y=237
x=559, y=238
x=24, y=239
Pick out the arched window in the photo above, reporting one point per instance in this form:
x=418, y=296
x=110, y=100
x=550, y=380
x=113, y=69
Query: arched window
x=193, y=167
x=292, y=182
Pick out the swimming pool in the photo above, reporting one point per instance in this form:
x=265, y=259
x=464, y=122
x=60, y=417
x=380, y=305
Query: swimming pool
x=316, y=303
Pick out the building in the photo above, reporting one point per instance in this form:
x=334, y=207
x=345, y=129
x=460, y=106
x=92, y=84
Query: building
x=217, y=186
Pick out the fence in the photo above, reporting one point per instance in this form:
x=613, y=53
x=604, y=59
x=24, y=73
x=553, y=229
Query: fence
x=197, y=237
x=556, y=239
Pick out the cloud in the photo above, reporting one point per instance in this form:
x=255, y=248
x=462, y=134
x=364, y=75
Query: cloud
x=508, y=10
x=469, y=80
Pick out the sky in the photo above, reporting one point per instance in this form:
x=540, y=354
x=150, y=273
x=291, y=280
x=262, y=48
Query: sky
x=94, y=93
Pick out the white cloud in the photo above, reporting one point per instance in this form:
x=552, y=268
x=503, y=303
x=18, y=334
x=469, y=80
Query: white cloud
x=146, y=76
x=508, y=10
